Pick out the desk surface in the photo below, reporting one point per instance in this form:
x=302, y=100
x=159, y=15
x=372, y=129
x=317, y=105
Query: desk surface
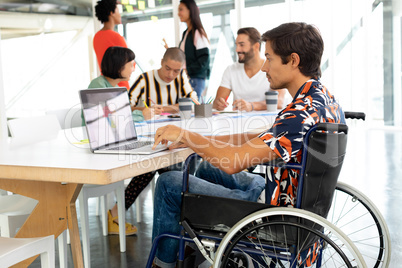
x=64, y=160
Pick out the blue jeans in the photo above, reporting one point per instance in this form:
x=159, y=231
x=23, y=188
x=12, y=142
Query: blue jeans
x=198, y=85
x=209, y=181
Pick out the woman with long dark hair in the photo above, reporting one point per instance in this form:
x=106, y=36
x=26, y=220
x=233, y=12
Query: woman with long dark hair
x=195, y=45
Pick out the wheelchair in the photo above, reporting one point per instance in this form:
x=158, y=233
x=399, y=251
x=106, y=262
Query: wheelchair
x=318, y=232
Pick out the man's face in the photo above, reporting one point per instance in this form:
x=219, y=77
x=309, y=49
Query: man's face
x=278, y=74
x=170, y=70
x=244, y=49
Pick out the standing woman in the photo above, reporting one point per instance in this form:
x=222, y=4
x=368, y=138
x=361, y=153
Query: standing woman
x=195, y=45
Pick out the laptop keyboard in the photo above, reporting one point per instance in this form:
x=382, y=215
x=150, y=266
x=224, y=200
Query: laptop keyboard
x=132, y=146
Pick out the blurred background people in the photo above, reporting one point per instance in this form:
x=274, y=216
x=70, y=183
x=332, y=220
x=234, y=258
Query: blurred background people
x=244, y=78
x=108, y=13
x=163, y=87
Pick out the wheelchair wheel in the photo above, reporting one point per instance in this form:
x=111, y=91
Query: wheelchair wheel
x=287, y=237
x=362, y=222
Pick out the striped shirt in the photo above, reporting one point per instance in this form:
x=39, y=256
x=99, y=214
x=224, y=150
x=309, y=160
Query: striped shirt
x=150, y=85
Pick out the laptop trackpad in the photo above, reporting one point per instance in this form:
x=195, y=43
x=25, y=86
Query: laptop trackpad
x=148, y=149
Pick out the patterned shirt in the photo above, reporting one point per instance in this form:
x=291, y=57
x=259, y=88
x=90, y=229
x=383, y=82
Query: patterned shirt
x=150, y=85
x=312, y=104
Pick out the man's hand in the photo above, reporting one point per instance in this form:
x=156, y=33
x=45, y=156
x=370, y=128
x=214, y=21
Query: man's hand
x=221, y=104
x=242, y=105
x=148, y=113
x=158, y=109
x=176, y=145
x=169, y=133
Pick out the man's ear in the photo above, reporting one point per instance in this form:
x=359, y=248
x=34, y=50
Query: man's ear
x=295, y=59
x=258, y=46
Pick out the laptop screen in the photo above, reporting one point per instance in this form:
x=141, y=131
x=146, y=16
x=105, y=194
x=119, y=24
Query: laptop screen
x=107, y=115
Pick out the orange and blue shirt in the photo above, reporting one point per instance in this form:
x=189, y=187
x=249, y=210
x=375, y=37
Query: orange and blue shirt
x=312, y=104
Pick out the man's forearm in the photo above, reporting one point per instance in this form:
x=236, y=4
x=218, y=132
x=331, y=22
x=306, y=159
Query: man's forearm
x=226, y=156
x=259, y=105
x=171, y=108
x=235, y=139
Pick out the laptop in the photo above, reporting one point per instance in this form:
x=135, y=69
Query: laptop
x=109, y=123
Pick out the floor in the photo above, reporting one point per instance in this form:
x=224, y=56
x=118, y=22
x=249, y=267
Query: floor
x=373, y=165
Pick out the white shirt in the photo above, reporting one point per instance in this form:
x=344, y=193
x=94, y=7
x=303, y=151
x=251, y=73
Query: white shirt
x=249, y=89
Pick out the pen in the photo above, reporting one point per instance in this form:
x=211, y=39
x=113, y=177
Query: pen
x=226, y=100
x=145, y=103
x=151, y=101
x=195, y=101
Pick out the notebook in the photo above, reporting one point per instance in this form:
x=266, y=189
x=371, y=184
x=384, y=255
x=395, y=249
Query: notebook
x=109, y=123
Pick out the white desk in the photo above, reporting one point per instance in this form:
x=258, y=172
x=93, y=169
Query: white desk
x=38, y=170
x=222, y=124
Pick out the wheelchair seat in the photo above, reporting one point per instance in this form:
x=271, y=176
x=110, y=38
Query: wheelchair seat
x=213, y=213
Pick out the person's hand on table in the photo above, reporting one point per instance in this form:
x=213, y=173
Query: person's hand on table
x=221, y=104
x=168, y=133
x=148, y=113
x=158, y=109
x=242, y=105
x=176, y=145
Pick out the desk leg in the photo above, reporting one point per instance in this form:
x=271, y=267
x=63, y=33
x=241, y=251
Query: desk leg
x=54, y=212
x=76, y=249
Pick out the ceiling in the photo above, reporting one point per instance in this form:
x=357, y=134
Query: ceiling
x=20, y=18
x=71, y=7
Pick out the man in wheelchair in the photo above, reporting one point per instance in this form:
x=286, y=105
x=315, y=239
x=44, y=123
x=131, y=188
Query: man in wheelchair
x=293, y=54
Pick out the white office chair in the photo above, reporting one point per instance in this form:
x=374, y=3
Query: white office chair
x=15, y=250
x=72, y=118
x=34, y=129
x=31, y=129
x=14, y=210
x=140, y=197
x=68, y=118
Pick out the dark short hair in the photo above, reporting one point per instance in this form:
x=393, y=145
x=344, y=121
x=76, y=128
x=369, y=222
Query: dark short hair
x=103, y=9
x=301, y=38
x=174, y=53
x=114, y=60
x=253, y=34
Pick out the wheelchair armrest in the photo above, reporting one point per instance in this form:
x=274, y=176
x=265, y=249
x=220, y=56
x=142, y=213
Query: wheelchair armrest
x=332, y=127
x=355, y=115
